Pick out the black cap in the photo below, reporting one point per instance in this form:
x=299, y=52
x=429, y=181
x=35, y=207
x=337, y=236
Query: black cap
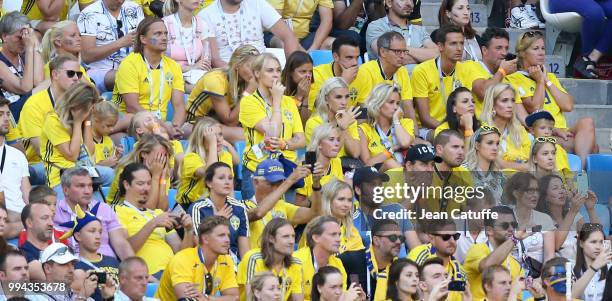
x=423, y=153
x=533, y=117
x=367, y=174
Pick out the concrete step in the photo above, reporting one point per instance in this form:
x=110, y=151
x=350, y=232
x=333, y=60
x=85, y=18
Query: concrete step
x=603, y=140
x=429, y=13
x=589, y=91
x=599, y=113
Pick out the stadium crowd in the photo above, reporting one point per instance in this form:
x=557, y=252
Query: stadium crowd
x=169, y=150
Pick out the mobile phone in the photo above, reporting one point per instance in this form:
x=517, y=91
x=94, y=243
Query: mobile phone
x=354, y=278
x=363, y=113
x=456, y=286
x=101, y=277
x=607, y=245
x=311, y=159
x=582, y=183
x=510, y=56
x=536, y=228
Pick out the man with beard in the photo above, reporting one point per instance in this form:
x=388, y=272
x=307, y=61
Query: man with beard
x=14, y=181
x=13, y=267
x=205, y=271
x=275, y=255
x=419, y=45
x=496, y=282
x=37, y=220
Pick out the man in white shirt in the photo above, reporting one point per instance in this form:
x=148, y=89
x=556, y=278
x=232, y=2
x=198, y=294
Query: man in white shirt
x=14, y=175
x=108, y=30
x=240, y=22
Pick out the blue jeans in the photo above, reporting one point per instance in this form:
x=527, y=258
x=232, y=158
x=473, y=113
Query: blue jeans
x=107, y=175
x=37, y=174
x=248, y=190
x=596, y=22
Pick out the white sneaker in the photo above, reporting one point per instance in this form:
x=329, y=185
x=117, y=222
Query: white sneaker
x=532, y=12
x=521, y=18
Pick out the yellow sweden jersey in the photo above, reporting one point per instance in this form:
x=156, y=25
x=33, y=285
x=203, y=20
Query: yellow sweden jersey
x=334, y=172
x=32, y=11
x=34, y=111
x=371, y=75
x=133, y=77
x=454, y=269
x=104, y=148
x=213, y=83
x=305, y=256
x=192, y=188
x=315, y=121
x=375, y=145
x=53, y=134
x=324, y=72
x=281, y=209
x=515, y=153
x=352, y=243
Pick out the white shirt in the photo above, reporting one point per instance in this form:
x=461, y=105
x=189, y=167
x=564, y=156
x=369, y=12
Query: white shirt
x=568, y=249
x=15, y=169
x=595, y=288
x=120, y=296
x=96, y=21
x=534, y=244
x=466, y=241
x=246, y=26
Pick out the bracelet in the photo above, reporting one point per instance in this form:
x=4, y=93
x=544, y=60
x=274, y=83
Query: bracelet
x=468, y=133
x=162, y=182
x=502, y=71
x=396, y=122
x=388, y=154
x=316, y=188
x=549, y=83
x=514, y=240
x=592, y=268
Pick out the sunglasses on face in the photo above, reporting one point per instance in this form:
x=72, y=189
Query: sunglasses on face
x=72, y=73
x=446, y=237
x=506, y=225
x=394, y=237
x=552, y=140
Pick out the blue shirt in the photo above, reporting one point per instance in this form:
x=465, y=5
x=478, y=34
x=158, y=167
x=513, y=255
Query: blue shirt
x=30, y=251
x=108, y=264
x=238, y=222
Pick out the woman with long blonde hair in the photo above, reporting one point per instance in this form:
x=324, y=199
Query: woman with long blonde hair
x=219, y=91
x=337, y=201
x=481, y=157
x=206, y=146
x=66, y=138
x=500, y=110
x=63, y=37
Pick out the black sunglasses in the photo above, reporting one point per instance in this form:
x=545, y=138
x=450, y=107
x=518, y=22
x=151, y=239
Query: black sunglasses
x=208, y=279
x=446, y=237
x=394, y=237
x=120, y=32
x=72, y=73
x=533, y=33
x=506, y=225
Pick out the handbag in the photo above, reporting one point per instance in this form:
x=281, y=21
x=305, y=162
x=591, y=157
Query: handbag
x=534, y=266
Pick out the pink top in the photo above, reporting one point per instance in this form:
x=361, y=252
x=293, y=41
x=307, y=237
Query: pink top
x=182, y=47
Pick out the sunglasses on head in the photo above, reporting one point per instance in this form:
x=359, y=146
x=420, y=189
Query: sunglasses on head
x=488, y=128
x=591, y=226
x=72, y=73
x=446, y=237
x=506, y=225
x=208, y=280
x=120, y=32
x=533, y=33
x=552, y=140
x=59, y=252
x=394, y=237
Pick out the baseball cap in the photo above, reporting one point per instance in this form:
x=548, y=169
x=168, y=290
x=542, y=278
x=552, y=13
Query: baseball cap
x=423, y=153
x=58, y=253
x=533, y=117
x=367, y=174
x=272, y=170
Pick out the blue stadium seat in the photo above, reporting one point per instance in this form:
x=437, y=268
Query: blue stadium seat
x=169, y=111
x=105, y=190
x=238, y=195
x=128, y=144
x=171, y=198
x=599, y=171
x=320, y=57
x=184, y=143
x=301, y=154
x=107, y=95
x=240, y=146
x=151, y=289
x=602, y=212
x=575, y=162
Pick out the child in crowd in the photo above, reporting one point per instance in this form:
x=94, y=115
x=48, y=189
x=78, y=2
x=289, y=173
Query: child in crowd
x=541, y=124
x=105, y=116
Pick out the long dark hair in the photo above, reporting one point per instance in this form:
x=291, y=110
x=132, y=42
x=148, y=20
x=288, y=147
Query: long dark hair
x=127, y=175
x=319, y=279
x=583, y=235
x=294, y=61
x=394, y=275
x=451, y=117
x=443, y=19
x=543, y=184
x=267, y=248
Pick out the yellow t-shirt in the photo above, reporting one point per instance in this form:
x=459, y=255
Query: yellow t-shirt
x=191, y=187
x=305, y=256
x=562, y=162
x=375, y=144
x=315, y=121
x=352, y=243
x=281, y=209
x=53, y=133
x=156, y=252
x=483, y=73
x=525, y=87
x=334, y=172
x=253, y=109
x=371, y=75
x=34, y=111
x=253, y=263
x=454, y=269
x=133, y=77
x=324, y=72
x=212, y=83
x=474, y=255
x=515, y=153
x=32, y=11
x=81, y=68
x=104, y=148
x=426, y=83
x=14, y=134
x=300, y=12
x=443, y=126
x=186, y=267
x=460, y=177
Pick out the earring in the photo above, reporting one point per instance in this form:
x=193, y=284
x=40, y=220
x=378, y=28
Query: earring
x=494, y=112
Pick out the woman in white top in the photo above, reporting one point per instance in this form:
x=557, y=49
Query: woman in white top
x=592, y=263
x=522, y=191
x=190, y=41
x=563, y=206
x=458, y=12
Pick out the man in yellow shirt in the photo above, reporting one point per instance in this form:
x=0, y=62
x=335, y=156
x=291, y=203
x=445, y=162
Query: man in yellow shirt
x=298, y=15
x=433, y=80
x=39, y=104
x=203, y=272
x=500, y=228
x=323, y=239
x=434, y=282
x=275, y=255
x=389, y=68
x=267, y=203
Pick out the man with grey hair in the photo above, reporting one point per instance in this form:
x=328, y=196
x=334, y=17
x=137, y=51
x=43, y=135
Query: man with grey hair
x=133, y=276
x=78, y=189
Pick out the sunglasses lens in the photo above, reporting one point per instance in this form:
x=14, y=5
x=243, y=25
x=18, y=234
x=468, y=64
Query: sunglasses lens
x=70, y=73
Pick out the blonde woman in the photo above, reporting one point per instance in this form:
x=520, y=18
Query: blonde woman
x=63, y=37
x=271, y=120
x=67, y=138
x=541, y=90
x=337, y=201
x=206, y=146
x=499, y=110
x=153, y=151
x=265, y=287
x=332, y=106
x=219, y=91
x=386, y=132
x=326, y=143
x=542, y=158
x=481, y=157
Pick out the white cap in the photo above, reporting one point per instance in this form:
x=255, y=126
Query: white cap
x=58, y=253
